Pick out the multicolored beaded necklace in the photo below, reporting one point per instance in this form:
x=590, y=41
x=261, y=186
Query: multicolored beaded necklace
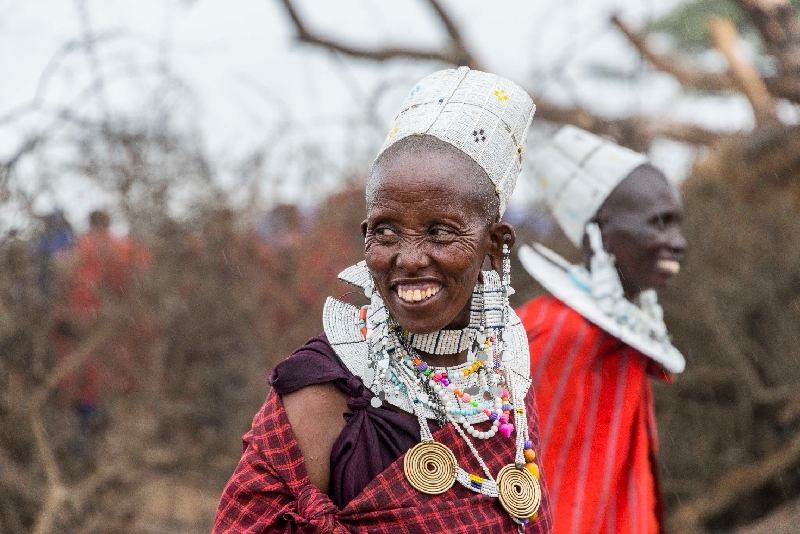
x=483, y=387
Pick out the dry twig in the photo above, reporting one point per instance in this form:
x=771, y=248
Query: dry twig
x=732, y=487
x=58, y=493
x=636, y=132
x=726, y=39
x=686, y=73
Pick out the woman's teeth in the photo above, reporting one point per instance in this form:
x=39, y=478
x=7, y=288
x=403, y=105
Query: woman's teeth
x=671, y=266
x=416, y=295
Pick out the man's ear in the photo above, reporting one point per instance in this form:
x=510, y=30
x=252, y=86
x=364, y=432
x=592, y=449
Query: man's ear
x=498, y=233
x=364, y=228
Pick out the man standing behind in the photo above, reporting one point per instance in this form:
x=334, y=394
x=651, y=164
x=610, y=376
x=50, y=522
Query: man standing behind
x=594, y=342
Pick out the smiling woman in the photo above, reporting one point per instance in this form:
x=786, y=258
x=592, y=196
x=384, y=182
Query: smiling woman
x=413, y=413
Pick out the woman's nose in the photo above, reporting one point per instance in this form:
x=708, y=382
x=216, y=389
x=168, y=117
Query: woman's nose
x=412, y=257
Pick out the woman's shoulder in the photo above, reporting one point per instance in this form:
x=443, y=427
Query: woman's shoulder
x=314, y=363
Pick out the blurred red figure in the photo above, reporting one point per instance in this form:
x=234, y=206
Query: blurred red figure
x=599, y=338
x=97, y=280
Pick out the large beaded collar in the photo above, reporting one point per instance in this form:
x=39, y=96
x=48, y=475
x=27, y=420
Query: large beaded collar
x=640, y=325
x=497, y=373
x=341, y=324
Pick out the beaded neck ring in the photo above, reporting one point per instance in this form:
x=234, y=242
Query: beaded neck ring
x=480, y=390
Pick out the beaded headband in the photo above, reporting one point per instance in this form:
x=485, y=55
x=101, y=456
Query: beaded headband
x=483, y=115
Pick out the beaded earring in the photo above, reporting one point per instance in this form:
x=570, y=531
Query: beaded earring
x=507, y=289
x=606, y=285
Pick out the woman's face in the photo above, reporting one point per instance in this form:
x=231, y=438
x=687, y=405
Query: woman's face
x=641, y=227
x=426, y=236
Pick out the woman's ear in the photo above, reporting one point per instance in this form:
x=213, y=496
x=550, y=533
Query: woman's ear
x=500, y=233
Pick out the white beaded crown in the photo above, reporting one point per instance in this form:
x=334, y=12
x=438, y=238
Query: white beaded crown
x=483, y=115
x=577, y=171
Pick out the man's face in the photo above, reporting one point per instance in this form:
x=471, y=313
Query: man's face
x=641, y=226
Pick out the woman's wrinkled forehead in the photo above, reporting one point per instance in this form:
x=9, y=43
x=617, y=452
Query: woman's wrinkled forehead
x=427, y=162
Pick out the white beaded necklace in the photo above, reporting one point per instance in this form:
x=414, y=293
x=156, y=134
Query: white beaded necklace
x=383, y=356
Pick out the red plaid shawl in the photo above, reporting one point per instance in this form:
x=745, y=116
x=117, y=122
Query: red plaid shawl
x=270, y=490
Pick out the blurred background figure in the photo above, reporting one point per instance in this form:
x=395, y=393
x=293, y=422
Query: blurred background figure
x=97, y=278
x=55, y=236
x=596, y=340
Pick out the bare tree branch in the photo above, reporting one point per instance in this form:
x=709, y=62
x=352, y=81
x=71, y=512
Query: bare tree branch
x=691, y=75
x=637, y=132
x=777, y=23
x=726, y=39
x=732, y=487
x=454, y=52
x=634, y=132
x=687, y=74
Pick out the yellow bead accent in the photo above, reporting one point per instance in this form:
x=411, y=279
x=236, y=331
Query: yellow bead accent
x=501, y=94
x=466, y=372
x=534, y=517
x=533, y=468
x=530, y=456
x=476, y=478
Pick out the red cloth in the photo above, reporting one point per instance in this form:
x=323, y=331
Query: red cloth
x=101, y=274
x=598, y=432
x=270, y=490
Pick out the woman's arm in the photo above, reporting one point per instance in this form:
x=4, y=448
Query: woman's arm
x=269, y=491
x=316, y=414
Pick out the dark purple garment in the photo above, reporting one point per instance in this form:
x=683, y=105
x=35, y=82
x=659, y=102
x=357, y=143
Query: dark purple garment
x=372, y=438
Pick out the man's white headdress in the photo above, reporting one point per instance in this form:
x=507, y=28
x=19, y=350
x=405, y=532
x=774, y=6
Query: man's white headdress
x=577, y=172
x=483, y=115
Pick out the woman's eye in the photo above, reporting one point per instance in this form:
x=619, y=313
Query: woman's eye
x=385, y=231
x=440, y=231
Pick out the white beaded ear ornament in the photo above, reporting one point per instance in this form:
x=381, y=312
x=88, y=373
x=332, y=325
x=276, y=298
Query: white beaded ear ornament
x=644, y=316
x=606, y=285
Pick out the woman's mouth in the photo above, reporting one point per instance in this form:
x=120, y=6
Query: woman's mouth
x=670, y=266
x=417, y=293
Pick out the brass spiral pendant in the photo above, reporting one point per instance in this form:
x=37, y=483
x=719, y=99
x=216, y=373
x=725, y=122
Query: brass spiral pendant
x=430, y=467
x=519, y=491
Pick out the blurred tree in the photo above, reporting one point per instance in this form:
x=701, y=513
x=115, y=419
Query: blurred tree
x=688, y=23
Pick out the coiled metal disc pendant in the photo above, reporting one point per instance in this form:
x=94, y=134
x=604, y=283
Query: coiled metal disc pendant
x=519, y=491
x=430, y=467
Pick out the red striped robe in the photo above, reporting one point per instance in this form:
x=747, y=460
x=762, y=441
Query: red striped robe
x=598, y=432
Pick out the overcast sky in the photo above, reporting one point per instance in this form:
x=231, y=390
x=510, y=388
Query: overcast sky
x=250, y=85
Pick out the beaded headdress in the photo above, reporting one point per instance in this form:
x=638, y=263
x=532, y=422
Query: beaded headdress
x=577, y=171
x=483, y=115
